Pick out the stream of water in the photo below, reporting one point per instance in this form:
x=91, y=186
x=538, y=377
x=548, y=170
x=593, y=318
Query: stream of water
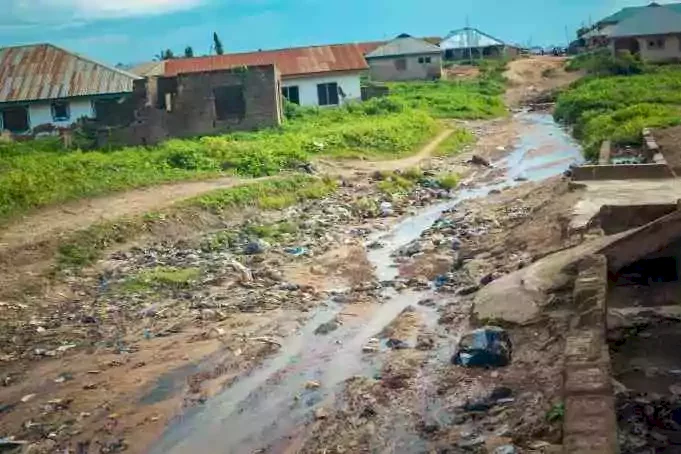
x=261, y=410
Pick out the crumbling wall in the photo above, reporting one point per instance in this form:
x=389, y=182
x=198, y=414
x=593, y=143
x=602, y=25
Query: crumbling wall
x=590, y=425
x=185, y=106
x=621, y=172
x=620, y=218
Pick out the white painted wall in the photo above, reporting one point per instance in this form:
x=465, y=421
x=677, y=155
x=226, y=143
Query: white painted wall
x=671, y=50
x=40, y=113
x=307, y=86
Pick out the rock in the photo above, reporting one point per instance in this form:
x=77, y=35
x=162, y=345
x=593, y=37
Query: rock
x=326, y=328
x=425, y=342
x=520, y=178
x=387, y=209
x=485, y=347
x=372, y=346
x=479, y=161
x=495, y=191
x=321, y=413
x=468, y=290
x=312, y=384
x=487, y=279
x=244, y=273
x=506, y=449
x=397, y=344
x=428, y=302
x=468, y=443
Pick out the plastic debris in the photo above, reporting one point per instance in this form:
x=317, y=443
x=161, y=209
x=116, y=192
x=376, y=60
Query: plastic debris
x=485, y=347
x=296, y=251
x=387, y=209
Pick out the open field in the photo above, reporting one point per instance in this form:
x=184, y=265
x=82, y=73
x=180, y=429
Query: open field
x=38, y=174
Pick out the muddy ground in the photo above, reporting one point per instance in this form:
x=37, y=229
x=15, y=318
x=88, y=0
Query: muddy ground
x=327, y=327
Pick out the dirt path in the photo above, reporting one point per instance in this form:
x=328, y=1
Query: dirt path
x=345, y=168
x=81, y=214
x=530, y=77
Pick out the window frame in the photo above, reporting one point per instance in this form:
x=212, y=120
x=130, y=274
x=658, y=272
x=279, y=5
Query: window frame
x=228, y=112
x=400, y=64
x=657, y=44
x=329, y=94
x=28, y=118
x=427, y=60
x=67, y=108
x=286, y=92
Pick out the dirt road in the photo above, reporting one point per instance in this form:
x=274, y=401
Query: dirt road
x=326, y=327
x=531, y=77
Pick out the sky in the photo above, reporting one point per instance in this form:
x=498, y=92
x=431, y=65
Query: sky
x=134, y=31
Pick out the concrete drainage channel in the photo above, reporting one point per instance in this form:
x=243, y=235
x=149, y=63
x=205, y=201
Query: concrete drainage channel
x=622, y=377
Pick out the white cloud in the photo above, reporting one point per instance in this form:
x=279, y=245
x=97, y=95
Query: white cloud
x=56, y=11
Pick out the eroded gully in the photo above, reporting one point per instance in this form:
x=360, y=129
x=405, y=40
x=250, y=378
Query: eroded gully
x=262, y=411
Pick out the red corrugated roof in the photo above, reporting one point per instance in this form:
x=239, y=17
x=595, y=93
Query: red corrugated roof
x=44, y=71
x=290, y=62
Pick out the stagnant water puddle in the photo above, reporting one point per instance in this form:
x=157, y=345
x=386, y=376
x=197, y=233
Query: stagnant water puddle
x=261, y=410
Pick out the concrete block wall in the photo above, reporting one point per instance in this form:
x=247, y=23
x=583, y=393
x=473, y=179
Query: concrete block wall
x=590, y=425
x=192, y=111
x=621, y=172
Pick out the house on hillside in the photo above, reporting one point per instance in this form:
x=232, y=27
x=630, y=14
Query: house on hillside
x=405, y=58
x=600, y=33
x=310, y=76
x=470, y=43
x=45, y=87
x=653, y=32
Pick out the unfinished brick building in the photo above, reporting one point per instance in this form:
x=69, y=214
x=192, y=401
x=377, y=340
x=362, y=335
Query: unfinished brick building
x=202, y=103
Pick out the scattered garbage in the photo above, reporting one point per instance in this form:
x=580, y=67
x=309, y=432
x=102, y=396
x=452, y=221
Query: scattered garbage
x=258, y=246
x=386, y=209
x=397, y=344
x=297, y=251
x=506, y=449
x=9, y=443
x=485, y=347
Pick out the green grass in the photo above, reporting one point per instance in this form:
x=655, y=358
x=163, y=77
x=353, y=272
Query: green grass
x=399, y=183
x=40, y=173
x=376, y=129
x=455, y=143
x=86, y=246
x=162, y=277
x=453, y=99
x=619, y=107
x=448, y=180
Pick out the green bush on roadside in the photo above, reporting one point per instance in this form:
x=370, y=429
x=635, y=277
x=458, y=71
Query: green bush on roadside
x=617, y=108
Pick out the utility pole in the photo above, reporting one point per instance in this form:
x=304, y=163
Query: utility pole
x=468, y=41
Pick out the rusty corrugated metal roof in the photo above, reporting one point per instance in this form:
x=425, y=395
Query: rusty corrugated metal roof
x=291, y=62
x=152, y=68
x=44, y=71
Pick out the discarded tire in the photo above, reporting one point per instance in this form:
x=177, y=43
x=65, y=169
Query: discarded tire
x=485, y=347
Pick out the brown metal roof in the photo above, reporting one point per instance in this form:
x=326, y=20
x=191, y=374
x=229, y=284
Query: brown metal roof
x=44, y=71
x=298, y=61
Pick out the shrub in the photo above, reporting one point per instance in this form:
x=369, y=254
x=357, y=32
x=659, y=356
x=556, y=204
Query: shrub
x=619, y=107
x=603, y=63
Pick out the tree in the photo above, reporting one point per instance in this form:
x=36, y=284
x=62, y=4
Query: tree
x=188, y=52
x=165, y=55
x=217, y=44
